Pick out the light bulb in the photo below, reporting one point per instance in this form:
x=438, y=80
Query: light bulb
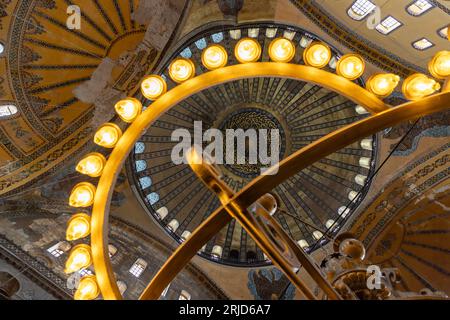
x=382, y=84
x=214, y=57
x=247, y=50
x=152, y=87
x=281, y=50
x=87, y=288
x=128, y=109
x=79, y=258
x=439, y=66
x=350, y=66
x=418, y=86
x=92, y=164
x=78, y=227
x=317, y=55
x=181, y=70
x=82, y=195
x=107, y=135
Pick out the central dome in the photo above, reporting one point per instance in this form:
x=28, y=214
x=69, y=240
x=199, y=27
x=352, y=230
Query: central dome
x=309, y=202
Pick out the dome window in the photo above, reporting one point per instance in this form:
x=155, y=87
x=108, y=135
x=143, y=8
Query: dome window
x=419, y=7
x=360, y=9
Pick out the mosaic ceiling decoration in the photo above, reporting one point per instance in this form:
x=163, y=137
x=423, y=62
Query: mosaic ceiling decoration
x=302, y=112
x=61, y=80
x=407, y=225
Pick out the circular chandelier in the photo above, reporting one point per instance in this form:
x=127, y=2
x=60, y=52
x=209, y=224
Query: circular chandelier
x=249, y=206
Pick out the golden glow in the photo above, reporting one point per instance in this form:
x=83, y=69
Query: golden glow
x=317, y=54
x=382, y=84
x=128, y=109
x=350, y=66
x=82, y=195
x=153, y=87
x=439, y=66
x=107, y=135
x=247, y=50
x=181, y=70
x=79, y=258
x=281, y=50
x=87, y=288
x=92, y=164
x=100, y=213
x=79, y=226
x=214, y=57
x=418, y=86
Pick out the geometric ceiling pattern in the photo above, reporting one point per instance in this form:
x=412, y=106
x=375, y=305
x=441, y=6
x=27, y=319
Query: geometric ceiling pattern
x=302, y=112
x=407, y=226
x=43, y=70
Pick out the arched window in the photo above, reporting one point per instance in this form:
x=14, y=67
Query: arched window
x=164, y=293
x=122, y=287
x=443, y=32
x=419, y=7
x=253, y=32
x=186, y=53
x=388, y=25
x=7, y=110
x=251, y=256
x=145, y=182
x=235, y=34
x=153, y=198
x=138, y=267
x=112, y=250
x=141, y=165
x=139, y=147
x=58, y=249
x=9, y=285
x=234, y=255
x=360, y=9
x=201, y=44
x=217, y=37
x=422, y=44
x=271, y=32
x=184, y=295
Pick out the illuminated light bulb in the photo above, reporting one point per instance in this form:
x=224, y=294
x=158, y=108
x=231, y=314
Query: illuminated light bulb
x=281, y=50
x=350, y=66
x=82, y=195
x=107, y=135
x=439, y=66
x=79, y=258
x=418, y=86
x=79, y=226
x=382, y=85
x=247, y=50
x=92, y=164
x=152, y=87
x=87, y=288
x=128, y=109
x=181, y=70
x=214, y=57
x=317, y=55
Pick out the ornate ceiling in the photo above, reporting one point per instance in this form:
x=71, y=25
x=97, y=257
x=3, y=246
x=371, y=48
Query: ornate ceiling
x=407, y=225
x=64, y=81
x=302, y=113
